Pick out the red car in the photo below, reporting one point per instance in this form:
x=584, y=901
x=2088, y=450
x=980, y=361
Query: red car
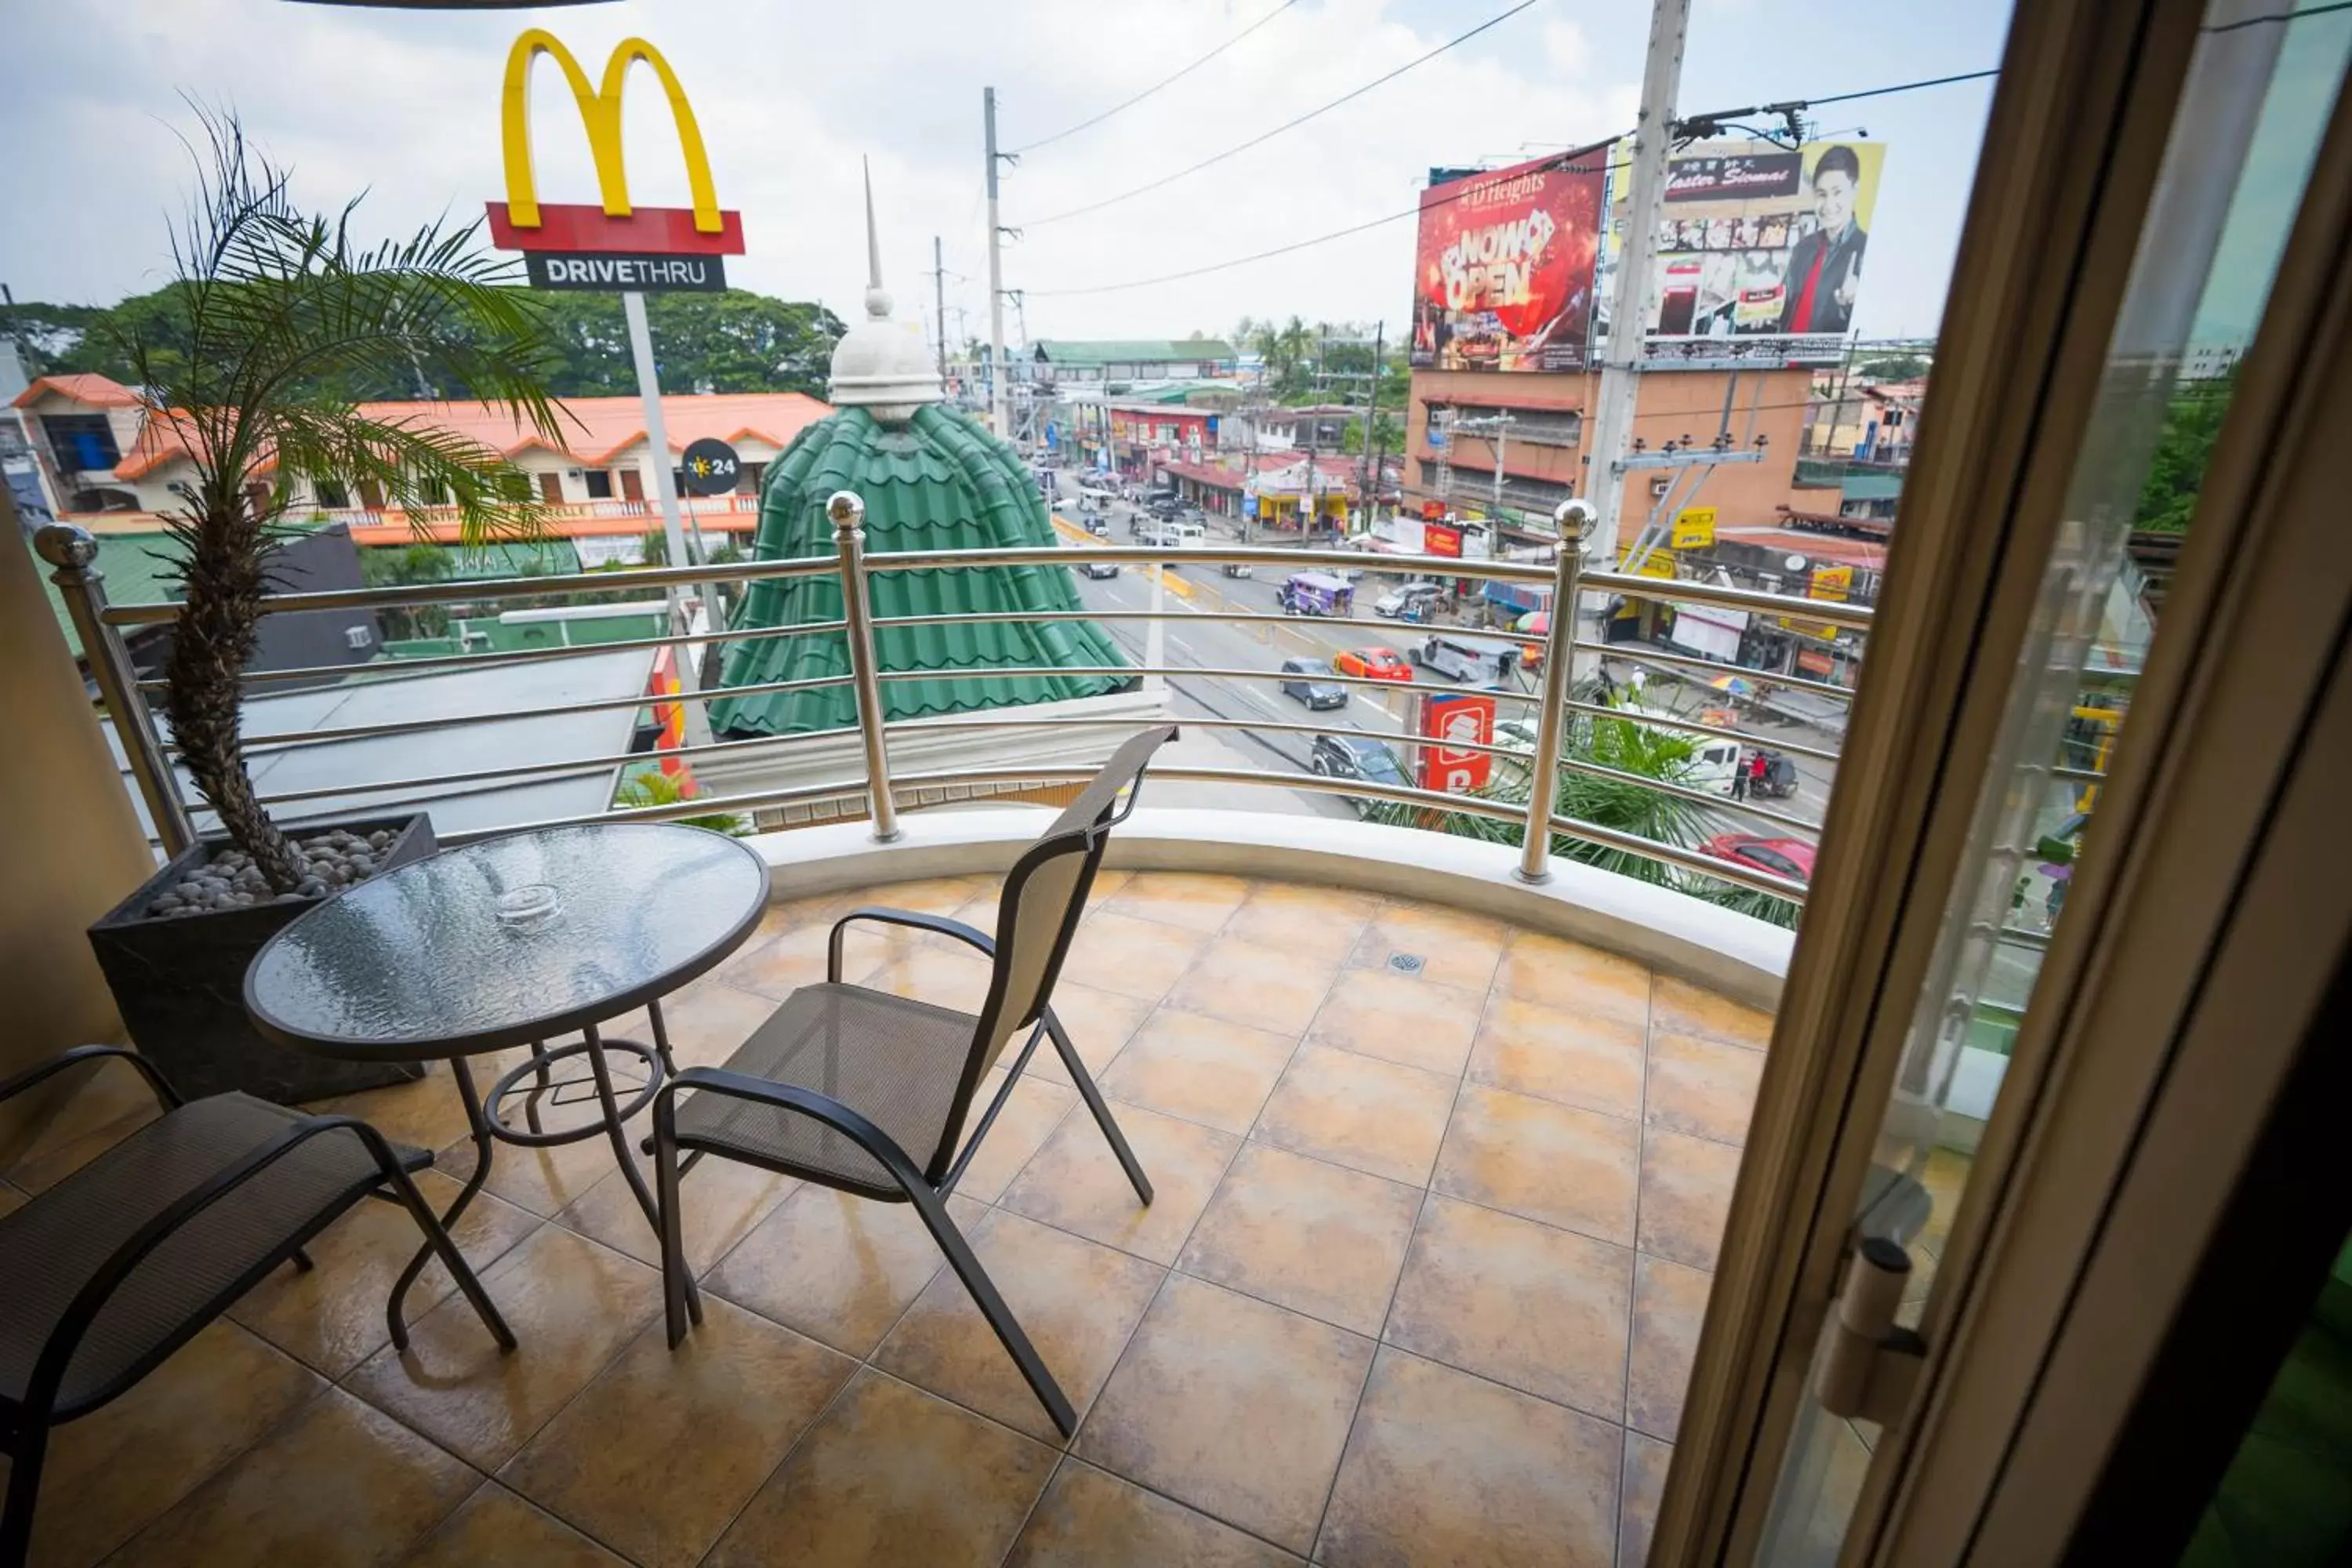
x=1790, y=857
x=1373, y=663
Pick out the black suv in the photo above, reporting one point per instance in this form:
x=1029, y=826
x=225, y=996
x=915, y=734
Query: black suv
x=1357, y=756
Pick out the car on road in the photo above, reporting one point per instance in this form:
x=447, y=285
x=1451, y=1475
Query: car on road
x=1101, y=569
x=1099, y=526
x=1373, y=663
x=1515, y=734
x=1308, y=684
x=1393, y=603
x=1357, y=756
x=1790, y=857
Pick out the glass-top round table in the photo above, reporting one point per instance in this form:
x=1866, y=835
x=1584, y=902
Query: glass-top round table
x=509, y=941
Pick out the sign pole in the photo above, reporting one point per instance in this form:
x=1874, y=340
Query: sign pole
x=641, y=343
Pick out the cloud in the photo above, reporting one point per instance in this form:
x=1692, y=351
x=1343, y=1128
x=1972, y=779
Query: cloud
x=404, y=105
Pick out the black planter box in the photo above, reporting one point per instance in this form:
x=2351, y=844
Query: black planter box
x=179, y=984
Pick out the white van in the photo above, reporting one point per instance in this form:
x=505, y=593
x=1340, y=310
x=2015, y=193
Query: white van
x=1713, y=761
x=1484, y=664
x=1185, y=535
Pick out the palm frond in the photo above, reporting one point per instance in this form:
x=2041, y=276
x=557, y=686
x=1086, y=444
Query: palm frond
x=279, y=314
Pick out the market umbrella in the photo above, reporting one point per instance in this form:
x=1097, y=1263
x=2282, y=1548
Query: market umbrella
x=1734, y=684
x=1535, y=623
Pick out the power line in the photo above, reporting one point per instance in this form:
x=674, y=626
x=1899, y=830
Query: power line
x=1287, y=125
x=1906, y=86
x=1557, y=160
x=1155, y=87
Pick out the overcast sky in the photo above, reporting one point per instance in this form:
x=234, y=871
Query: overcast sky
x=404, y=105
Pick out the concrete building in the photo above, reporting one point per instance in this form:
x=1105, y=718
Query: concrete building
x=1870, y=421
x=1456, y=423
x=1111, y=361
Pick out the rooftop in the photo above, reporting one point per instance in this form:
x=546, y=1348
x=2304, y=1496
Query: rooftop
x=1131, y=350
x=594, y=430
x=1420, y=1283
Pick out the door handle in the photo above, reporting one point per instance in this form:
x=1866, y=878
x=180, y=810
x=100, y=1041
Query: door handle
x=1871, y=1365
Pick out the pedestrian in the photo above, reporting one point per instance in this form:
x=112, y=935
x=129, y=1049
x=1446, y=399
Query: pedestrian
x=1740, y=778
x=1757, y=770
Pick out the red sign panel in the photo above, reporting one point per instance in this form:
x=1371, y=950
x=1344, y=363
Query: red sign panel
x=569, y=228
x=1504, y=270
x=1452, y=716
x=1441, y=539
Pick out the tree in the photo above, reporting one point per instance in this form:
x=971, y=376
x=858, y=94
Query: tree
x=1390, y=433
x=383, y=568
x=273, y=311
x=1893, y=367
x=732, y=342
x=1640, y=751
x=2192, y=421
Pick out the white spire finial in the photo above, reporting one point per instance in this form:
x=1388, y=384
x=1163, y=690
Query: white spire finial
x=877, y=298
x=881, y=365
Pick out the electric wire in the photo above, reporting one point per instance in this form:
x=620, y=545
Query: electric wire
x=1557, y=160
x=1287, y=125
x=1155, y=87
x=1905, y=87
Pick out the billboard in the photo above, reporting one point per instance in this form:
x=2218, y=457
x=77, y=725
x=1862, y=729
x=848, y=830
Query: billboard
x=1760, y=250
x=1503, y=270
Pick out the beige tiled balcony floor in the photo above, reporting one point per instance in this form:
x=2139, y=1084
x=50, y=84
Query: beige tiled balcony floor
x=1420, y=1285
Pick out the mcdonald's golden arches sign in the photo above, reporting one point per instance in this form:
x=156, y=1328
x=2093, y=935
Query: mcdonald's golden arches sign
x=610, y=245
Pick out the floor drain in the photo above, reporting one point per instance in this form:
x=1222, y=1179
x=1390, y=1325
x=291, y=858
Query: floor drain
x=1405, y=963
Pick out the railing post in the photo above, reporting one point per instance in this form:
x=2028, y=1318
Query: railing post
x=73, y=552
x=848, y=515
x=1560, y=668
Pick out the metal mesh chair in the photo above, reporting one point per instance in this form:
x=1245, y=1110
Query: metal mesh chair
x=851, y=1088
x=123, y=1261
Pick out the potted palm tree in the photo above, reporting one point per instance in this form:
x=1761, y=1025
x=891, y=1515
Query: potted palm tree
x=280, y=321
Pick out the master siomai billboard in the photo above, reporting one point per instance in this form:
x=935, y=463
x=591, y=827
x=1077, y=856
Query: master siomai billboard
x=1762, y=250
x=1504, y=268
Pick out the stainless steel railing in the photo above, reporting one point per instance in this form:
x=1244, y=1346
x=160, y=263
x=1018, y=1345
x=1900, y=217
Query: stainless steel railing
x=101, y=625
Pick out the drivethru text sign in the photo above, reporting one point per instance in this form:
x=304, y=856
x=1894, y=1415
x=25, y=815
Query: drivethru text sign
x=613, y=245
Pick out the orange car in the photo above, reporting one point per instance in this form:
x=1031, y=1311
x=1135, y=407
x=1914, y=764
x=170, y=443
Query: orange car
x=1373, y=663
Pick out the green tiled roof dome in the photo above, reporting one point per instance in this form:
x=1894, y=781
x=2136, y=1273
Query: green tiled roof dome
x=938, y=481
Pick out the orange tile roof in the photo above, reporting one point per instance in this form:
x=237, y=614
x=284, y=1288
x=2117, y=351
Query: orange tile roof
x=594, y=430
x=82, y=386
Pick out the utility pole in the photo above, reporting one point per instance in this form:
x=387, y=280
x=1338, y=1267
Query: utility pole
x=1369, y=484
x=1494, y=511
x=940, y=303
x=1629, y=312
x=996, y=274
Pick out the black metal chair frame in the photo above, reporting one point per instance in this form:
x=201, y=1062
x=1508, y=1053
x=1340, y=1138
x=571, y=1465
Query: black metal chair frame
x=24, y=1425
x=928, y=1187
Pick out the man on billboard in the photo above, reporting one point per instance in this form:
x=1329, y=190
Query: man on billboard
x=1825, y=265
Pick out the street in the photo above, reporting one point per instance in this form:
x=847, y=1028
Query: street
x=1220, y=644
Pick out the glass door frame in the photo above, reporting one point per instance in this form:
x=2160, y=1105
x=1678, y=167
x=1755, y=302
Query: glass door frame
x=2077, y=140
x=2194, y=1001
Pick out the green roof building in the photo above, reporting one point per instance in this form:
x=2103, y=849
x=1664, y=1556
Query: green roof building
x=931, y=479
